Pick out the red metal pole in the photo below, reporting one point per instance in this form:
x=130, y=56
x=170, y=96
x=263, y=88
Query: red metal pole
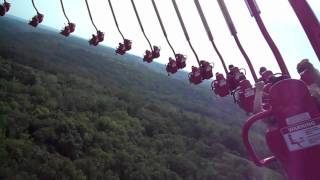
x=246, y=57
x=309, y=23
x=207, y=28
x=233, y=32
x=255, y=12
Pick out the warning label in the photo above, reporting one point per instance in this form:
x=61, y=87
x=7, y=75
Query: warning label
x=302, y=135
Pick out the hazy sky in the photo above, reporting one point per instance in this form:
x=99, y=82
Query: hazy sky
x=278, y=16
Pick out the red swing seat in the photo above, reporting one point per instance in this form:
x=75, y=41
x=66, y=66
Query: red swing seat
x=156, y=52
x=65, y=31
x=121, y=49
x=234, y=77
x=2, y=10
x=72, y=27
x=172, y=66
x=100, y=36
x=94, y=41
x=220, y=85
x=127, y=43
x=195, y=75
x=6, y=6
x=181, y=61
x=206, y=69
x=148, y=57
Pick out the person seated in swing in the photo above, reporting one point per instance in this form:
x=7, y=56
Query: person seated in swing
x=230, y=73
x=230, y=78
x=311, y=76
x=261, y=70
x=260, y=85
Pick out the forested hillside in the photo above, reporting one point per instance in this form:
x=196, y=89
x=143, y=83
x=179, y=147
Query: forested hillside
x=70, y=111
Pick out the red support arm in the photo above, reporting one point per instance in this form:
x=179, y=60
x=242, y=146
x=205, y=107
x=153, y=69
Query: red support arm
x=309, y=22
x=255, y=12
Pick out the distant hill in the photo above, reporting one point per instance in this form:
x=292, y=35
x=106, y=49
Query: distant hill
x=26, y=35
x=71, y=111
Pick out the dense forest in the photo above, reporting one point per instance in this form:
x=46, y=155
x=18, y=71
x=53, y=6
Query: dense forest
x=70, y=111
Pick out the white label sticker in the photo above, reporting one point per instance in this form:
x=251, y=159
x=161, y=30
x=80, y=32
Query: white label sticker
x=248, y=92
x=302, y=136
x=298, y=118
x=222, y=83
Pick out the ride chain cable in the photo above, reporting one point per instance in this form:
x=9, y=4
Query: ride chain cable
x=137, y=15
x=162, y=26
x=91, y=16
x=185, y=30
x=64, y=12
x=115, y=19
x=34, y=6
x=233, y=31
x=227, y=17
x=207, y=28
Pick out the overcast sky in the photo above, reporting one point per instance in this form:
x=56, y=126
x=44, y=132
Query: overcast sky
x=278, y=16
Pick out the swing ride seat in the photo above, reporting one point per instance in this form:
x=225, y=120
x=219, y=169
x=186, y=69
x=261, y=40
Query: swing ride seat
x=40, y=17
x=127, y=43
x=6, y=6
x=156, y=52
x=34, y=22
x=172, y=66
x=220, y=88
x=265, y=76
x=220, y=85
x=206, y=69
x=121, y=49
x=2, y=10
x=181, y=61
x=100, y=36
x=66, y=31
x=72, y=27
x=94, y=41
x=246, y=96
x=195, y=76
x=148, y=57
x=118, y=51
x=234, y=77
